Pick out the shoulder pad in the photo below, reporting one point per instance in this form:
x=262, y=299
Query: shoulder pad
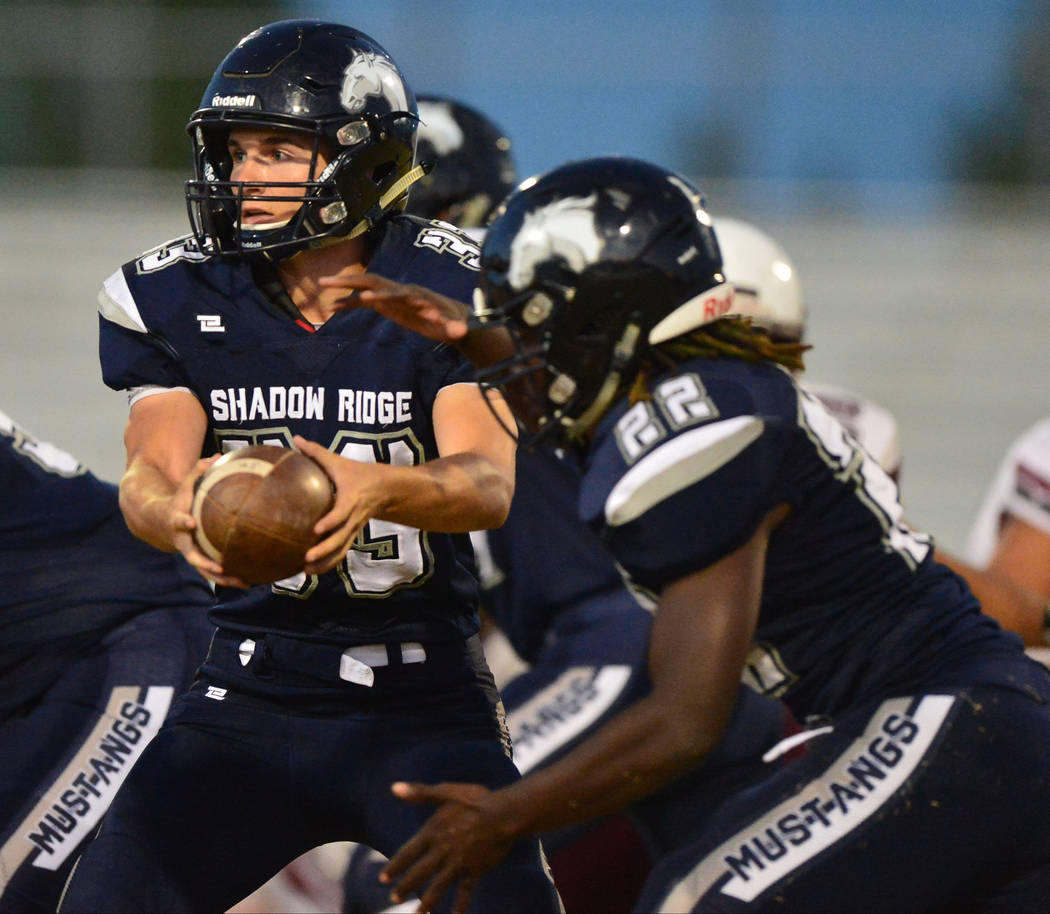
x=117, y=305
x=677, y=464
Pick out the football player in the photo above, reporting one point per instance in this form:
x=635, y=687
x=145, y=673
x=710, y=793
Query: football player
x=745, y=515
x=568, y=643
x=99, y=632
x=1008, y=552
x=320, y=688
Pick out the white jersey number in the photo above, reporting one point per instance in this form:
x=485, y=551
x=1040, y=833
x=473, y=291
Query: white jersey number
x=852, y=464
x=386, y=556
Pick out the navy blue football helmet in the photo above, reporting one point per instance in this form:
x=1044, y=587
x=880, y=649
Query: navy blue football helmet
x=586, y=267
x=330, y=82
x=473, y=166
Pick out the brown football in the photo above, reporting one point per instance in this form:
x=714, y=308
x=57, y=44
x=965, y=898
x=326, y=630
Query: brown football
x=256, y=508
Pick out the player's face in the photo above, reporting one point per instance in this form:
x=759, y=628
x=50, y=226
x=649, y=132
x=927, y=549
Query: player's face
x=264, y=155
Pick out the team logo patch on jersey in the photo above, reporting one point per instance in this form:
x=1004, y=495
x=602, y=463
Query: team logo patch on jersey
x=856, y=786
x=211, y=323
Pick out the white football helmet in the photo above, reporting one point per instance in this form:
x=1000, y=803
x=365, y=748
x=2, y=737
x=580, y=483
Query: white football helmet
x=763, y=277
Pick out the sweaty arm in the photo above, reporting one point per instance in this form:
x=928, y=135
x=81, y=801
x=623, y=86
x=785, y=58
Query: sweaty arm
x=428, y=313
x=468, y=487
x=700, y=638
x=702, y=631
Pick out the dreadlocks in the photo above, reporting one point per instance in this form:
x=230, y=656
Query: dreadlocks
x=730, y=337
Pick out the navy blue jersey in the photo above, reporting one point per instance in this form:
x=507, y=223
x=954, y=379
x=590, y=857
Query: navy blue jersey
x=853, y=604
x=69, y=569
x=360, y=385
x=533, y=586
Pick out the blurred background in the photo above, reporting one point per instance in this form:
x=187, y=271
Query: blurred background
x=899, y=151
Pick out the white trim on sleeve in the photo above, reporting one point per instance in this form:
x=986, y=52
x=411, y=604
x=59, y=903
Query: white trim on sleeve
x=148, y=390
x=678, y=464
x=456, y=384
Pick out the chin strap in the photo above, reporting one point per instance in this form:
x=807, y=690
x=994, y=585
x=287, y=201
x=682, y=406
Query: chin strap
x=395, y=190
x=372, y=216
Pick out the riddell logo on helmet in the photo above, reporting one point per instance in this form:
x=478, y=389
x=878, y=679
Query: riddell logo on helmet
x=717, y=305
x=233, y=101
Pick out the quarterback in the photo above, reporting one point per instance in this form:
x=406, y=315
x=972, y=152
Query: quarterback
x=365, y=666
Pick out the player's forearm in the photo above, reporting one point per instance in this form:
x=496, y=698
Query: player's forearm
x=485, y=346
x=695, y=659
x=454, y=494
x=146, y=502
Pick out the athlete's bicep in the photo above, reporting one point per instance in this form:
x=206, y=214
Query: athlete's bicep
x=465, y=423
x=166, y=431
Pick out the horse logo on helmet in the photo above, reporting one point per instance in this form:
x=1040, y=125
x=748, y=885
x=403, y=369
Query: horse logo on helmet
x=564, y=229
x=370, y=74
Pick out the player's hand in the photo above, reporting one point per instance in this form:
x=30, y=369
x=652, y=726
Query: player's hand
x=422, y=310
x=456, y=846
x=428, y=313
x=183, y=525
x=356, y=488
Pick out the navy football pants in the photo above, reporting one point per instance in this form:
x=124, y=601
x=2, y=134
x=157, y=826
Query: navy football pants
x=258, y=764
x=937, y=802
x=592, y=666
x=63, y=758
